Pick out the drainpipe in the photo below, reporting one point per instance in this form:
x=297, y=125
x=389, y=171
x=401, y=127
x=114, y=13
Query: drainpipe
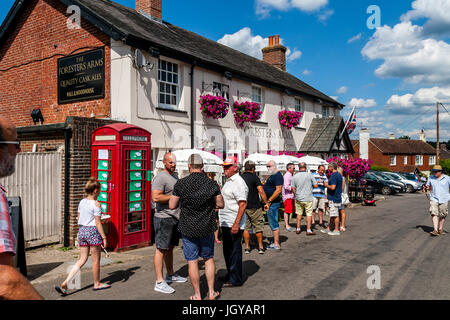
x=67, y=137
x=192, y=105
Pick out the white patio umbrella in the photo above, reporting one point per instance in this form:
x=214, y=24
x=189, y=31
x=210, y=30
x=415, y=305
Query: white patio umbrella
x=313, y=162
x=283, y=160
x=260, y=160
x=211, y=162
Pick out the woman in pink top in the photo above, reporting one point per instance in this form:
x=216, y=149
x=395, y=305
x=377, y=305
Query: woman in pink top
x=288, y=195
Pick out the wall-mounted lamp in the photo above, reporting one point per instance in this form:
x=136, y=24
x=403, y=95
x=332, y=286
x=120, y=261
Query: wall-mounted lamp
x=228, y=75
x=36, y=115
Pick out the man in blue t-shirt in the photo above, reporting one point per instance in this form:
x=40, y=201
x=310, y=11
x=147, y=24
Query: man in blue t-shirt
x=319, y=195
x=334, y=196
x=273, y=189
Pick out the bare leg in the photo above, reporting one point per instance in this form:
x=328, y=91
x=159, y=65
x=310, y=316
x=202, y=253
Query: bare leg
x=259, y=237
x=441, y=224
x=336, y=223
x=308, y=223
x=96, y=255
x=276, y=237
x=158, y=262
x=210, y=272
x=195, y=279
x=246, y=235
x=435, y=222
x=320, y=216
x=286, y=220
x=168, y=259
x=313, y=220
x=343, y=217
x=84, y=255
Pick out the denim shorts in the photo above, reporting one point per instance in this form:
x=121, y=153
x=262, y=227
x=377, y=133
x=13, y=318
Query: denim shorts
x=166, y=233
x=202, y=247
x=272, y=216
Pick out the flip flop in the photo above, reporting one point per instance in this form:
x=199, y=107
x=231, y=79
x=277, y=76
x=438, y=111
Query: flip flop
x=61, y=290
x=215, y=297
x=106, y=286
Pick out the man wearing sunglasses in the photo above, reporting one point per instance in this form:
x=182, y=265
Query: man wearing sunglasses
x=13, y=286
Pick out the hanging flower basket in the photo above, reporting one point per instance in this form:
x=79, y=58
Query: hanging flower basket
x=213, y=107
x=289, y=119
x=246, y=112
x=354, y=168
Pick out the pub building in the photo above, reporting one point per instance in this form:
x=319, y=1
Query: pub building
x=68, y=67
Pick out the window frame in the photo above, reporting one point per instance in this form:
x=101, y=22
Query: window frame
x=420, y=162
x=434, y=160
x=405, y=160
x=393, y=163
x=327, y=113
x=263, y=109
x=178, y=85
x=302, y=110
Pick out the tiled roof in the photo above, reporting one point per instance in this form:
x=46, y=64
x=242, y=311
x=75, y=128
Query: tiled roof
x=402, y=146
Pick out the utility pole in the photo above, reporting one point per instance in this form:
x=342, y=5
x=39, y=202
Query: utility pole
x=437, y=133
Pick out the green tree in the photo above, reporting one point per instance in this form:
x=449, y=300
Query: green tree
x=405, y=137
x=445, y=166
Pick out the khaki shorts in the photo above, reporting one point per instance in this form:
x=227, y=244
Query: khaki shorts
x=318, y=203
x=255, y=217
x=440, y=210
x=301, y=206
x=334, y=208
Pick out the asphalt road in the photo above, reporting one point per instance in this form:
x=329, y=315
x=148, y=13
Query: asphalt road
x=393, y=236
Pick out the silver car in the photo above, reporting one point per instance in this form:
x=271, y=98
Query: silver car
x=411, y=186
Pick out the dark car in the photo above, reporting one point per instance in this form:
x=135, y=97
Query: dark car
x=381, y=186
x=391, y=180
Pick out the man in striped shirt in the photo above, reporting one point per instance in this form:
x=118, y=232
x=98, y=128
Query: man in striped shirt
x=319, y=195
x=13, y=286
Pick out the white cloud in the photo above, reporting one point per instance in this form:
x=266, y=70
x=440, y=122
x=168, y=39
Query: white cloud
x=334, y=97
x=342, y=90
x=306, y=72
x=309, y=5
x=355, y=38
x=437, y=13
x=244, y=41
x=423, y=101
x=263, y=7
x=362, y=103
x=324, y=16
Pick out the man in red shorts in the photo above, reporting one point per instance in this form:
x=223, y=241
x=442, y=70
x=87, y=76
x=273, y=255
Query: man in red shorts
x=288, y=195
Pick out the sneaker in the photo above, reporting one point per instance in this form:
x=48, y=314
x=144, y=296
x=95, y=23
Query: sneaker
x=334, y=233
x=175, y=278
x=342, y=229
x=324, y=230
x=247, y=251
x=261, y=251
x=272, y=246
x=290, y=229
x=434, y=233
x=164, y=287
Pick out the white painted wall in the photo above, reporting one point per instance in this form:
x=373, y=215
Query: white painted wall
x=134, y=98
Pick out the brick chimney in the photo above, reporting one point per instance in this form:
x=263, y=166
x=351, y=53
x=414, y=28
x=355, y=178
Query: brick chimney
x=392, y=136
x=150, y=7
x=275, y=54
x=423, y=136
x=364, y=137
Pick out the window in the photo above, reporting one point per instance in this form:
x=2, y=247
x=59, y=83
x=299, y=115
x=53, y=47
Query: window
x=222, y=90
x=405, y=160
x=393, y=160
x=325, y=112
x=257, y=97
x=168, y=79
x=300, y=107
x=432, y=160
x=419, y=160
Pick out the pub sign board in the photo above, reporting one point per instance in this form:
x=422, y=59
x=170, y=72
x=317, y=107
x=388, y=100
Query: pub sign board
x=81, y=76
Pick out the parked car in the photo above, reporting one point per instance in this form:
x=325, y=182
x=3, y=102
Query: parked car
x=411, y=185
x=381, y=186
x=412, y=177
x=385, y=177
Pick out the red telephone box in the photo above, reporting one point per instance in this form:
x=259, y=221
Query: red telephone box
x=121, y=157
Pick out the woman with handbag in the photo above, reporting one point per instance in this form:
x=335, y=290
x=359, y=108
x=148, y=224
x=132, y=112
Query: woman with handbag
x=345, y=201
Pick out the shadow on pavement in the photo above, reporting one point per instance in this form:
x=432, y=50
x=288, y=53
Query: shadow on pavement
x=426, y=229
x=249, y=268
x=120, y=275
x=36, y=270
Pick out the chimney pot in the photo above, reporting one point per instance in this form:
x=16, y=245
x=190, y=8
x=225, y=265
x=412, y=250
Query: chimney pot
x=277, y=40
x=271, y=41
x=275, y=54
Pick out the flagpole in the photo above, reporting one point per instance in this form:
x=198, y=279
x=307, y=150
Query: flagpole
x=346, y=123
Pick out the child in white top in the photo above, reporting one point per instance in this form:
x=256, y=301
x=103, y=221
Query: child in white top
x=90, y=236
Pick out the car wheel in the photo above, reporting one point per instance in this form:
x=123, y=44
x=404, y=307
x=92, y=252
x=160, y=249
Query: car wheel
x=409, y=188
x=386, y=190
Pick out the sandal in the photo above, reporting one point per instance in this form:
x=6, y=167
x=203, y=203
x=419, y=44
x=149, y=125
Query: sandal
x=342, y=229
x=215, y=297
x=102, y=287
x=61, y=290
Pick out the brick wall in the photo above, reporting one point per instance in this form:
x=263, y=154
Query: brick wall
x=275, y=56
x=42, y=32
x=379, y=159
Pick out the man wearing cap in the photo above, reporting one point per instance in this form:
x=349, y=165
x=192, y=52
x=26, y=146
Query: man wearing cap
x=232, y=221
x=198, y=197
x=439, y=184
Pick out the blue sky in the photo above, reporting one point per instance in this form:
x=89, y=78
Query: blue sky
x=393, y=74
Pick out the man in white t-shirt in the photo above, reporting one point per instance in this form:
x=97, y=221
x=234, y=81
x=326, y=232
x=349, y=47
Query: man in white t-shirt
x=232, y=221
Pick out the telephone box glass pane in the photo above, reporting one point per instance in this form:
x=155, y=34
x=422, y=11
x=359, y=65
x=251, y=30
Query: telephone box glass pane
x=136, y=186
x=136, y=175
x=134, y=227
x=104, y=207
x=136, y=154
x=135, y=196
x=102, y=165
x=135, y=206
x=136, y=216
x=135, y=165
x=103, y=196
x=103, y=186
x=102, y=176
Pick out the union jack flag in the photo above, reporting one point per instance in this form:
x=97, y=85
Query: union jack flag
x=351, y=124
